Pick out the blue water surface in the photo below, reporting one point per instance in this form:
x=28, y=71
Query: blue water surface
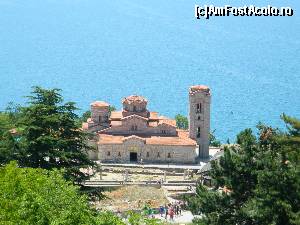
x=108, y=49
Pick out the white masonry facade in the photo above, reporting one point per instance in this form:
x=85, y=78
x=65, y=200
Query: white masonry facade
x=135, y=134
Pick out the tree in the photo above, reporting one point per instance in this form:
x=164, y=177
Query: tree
x=182, y=122
x=111, y=108
x=13, y=112
x=50, y=137
x=256, y=181
x=213, y=140
x=5, y=123
x=8, y=145
x=37, y=196
x=278, y=190
x=8, y=148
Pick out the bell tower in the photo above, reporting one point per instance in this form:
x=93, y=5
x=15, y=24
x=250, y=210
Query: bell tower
x=100, y=113
x=199, y=117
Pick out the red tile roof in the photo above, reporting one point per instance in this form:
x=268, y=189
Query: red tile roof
x=134, y=98
x=99, y=104
x=181, y=140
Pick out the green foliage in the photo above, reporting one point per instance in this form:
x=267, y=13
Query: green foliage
x=111, y=108
x=83, y=118
x=50, y=137
x=8, y=145
x=8, y=148
x=256, y=181
x=13, y=111
x=138, y=219
x=213, y=140
x=5, y=122
x=37, y=196
x=42, y=197
x=108, y=218
x=182, y=122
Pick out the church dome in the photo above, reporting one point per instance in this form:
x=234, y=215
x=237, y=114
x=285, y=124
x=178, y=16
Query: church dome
x=134, y=99
x=135, y=103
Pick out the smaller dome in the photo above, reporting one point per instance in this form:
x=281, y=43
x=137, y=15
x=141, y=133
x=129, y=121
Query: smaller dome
x=99, y=104
x=199, y=88
x=134, y=99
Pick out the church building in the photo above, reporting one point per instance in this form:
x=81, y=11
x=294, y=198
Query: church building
x=136, y=134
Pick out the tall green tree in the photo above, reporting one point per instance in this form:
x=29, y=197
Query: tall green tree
x=256, y=181
x=277, y=194
x=50, y=137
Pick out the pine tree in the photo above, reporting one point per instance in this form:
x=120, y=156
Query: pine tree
x=50, y=136
x=256, y=181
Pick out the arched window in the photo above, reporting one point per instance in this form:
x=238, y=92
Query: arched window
x=169, y=155
x=158, y=155
x=108, y=153
x=119, y=154
x=147, y=155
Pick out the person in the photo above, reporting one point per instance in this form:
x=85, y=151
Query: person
x=161, y=211
x=180, y=209
x=171, y=213
x=166, y=212
x=177, y=208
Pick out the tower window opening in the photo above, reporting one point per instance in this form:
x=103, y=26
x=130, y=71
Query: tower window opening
x=147, y=155
x=169, y=155
x=199, y=108
x=198, y=132
x=119, y=154
x=100, y=119
x=158, y=155
x=163, y=132
x=134, y=108
x=199, y=117
x=108, y=153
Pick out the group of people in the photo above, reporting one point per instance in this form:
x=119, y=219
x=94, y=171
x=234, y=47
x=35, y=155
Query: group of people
x=171, y=210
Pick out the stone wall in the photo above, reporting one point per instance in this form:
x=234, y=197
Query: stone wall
x=148, y=153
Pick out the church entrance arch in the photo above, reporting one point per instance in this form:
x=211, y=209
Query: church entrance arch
x=133, y=157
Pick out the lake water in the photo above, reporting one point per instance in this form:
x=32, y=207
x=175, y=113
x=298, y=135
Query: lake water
x=108, y=49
